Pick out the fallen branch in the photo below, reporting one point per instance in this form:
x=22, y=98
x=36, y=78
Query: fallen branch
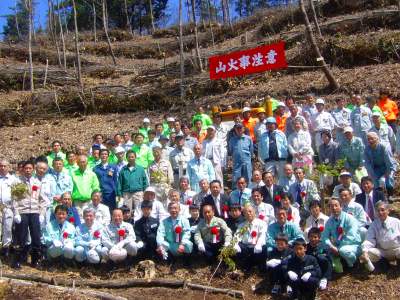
x=86, y=292
x=130, y=283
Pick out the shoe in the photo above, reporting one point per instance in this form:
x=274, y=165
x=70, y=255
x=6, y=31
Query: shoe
x=276, y=289
x=289, y=291
x=16, y=264
x=323, y=283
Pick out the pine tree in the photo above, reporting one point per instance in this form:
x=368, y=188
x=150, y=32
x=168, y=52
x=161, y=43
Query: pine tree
x=17, y=23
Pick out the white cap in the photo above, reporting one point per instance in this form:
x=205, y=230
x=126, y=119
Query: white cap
x=376, y=114
x=146, y=120
x=170, y=119
x=345, y=173
x=150, y=189
x=119, y=149
x=245, y=109
x=347, y=129
x=320, y=101
x=281, y=104
x=211, y=127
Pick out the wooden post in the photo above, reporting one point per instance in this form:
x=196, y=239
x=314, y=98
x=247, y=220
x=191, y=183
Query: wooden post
x=329, y=76
x=45, y=72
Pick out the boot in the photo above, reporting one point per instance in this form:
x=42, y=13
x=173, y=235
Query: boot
x=35, y=259
x=16, y=264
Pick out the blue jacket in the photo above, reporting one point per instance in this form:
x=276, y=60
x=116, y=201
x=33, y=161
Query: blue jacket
x=379, y=161
x=62, y=182
x=107, y=178
x=292, y=230
x=240, y=148
x=54, y=231
x=198, y=169
x=166, y=235
x=72, y=213
x=84, y=235
x=281, y=144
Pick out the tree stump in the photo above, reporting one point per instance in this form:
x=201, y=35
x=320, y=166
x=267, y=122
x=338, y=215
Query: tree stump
x=149, y=268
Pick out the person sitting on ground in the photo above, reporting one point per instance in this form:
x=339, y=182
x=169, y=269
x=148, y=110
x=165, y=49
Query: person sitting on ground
x=290, y=229
x=317, y=218
x=127, y=215
x=345, y=180
x=315, y=249
x=88, y=238
x=250, y=239
x=293, y=214
x=101, y=211
x=353, y=208
x=212, y=233
x=303, y=273
x=341, y=236
x=277, y=263
x=241, y=195
x=173, y=234
x=146, y=231
x=118, y=239
x=235, y=217
x=383, y=238
x=256, y=180
x=264, y=211
x=59, y=235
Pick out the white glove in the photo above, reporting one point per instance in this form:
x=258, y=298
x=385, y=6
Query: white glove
x=41, y=219
x=57, y=244
x=272, y=263
x=306, y=276
x=293, y=276
x=139, y=244
x=237, y=248
x=201, y=247
x=120, y=245
x=257, y=249
x=93, y=244
x=17, y=219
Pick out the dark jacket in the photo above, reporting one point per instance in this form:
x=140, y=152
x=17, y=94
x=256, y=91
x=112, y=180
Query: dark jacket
x=304, y=265
x=277, y=190
x=209, y=200
x=276, y=254
x=234, y=223
x=146, y=231
x=376, y=196
x=316, y=251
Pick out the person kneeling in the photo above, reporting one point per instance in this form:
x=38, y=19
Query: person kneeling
x=118, y=239
x=277, y=262
x=173, y=235
x=315, y=249
x=88, y=238
x=303, y=273
x=59, y=235
x=212, y=233
x=383, y=238
x=251, y=235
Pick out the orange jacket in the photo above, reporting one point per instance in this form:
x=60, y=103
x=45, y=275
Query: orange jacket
x=389, y=108
x=250, y=123
x=200, y=137
x=281, y=122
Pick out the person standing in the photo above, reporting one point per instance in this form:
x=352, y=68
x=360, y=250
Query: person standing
x=132, y=182
x=107, y=176
x=389, y=108
x=213, y=149
x=199, y=168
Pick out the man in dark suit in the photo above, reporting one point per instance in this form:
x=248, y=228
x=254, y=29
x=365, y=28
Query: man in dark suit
x=270, y=191
x=220, y=202
x=369, y=196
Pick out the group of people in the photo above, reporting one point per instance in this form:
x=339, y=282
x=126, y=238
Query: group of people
x=161, y=193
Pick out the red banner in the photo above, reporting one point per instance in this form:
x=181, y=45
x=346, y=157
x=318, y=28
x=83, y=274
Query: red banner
x=250, y=61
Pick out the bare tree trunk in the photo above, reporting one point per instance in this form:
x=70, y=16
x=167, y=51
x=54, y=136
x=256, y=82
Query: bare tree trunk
x=105, y=25
x=315, y=18
x=94, y=22
x=181, y=58
x=224, y=13
x=28, y=4
x=329, y=76
x=196, y=36
x=153, y=27
x=62, y=36
x=78, y=58
x=16, y=21
x=228, y=14
x=32, y=22
x=209, y=22
x=190, y=19
x=128, y=21
x=64, y=17
x=52, y=29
